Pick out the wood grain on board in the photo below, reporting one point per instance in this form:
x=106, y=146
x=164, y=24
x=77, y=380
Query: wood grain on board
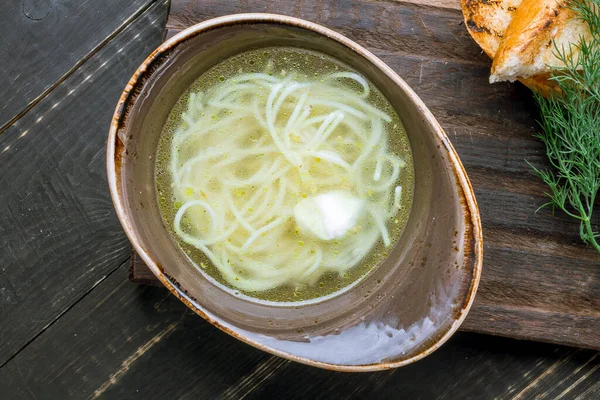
x=49, y=40
x=539, y=281
x=59, y=235
x=126, y=341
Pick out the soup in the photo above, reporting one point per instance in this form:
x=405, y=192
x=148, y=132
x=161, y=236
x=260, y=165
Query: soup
x=284, y=175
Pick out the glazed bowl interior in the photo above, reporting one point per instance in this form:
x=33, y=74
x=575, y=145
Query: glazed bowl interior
x=400, y=312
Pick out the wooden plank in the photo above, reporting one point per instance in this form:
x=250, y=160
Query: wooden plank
x=455, y=4
x=115, y=331
x=382, y=26
x=44, y=41
x=127, y=341
x=58, y=231
x=539, y=280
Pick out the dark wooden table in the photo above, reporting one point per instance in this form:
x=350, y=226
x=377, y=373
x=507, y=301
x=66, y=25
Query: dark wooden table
x=73, y=326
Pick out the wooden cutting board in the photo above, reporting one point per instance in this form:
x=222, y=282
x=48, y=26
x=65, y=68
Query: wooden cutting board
x=539, y=281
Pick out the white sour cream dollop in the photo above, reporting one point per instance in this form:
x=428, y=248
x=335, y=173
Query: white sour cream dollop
x=328, y=216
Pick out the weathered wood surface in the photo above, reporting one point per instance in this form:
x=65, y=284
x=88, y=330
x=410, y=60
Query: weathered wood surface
x=58, y=232
x=72, y=326
x=43, y=41
x=125, y=341
x=539, y=282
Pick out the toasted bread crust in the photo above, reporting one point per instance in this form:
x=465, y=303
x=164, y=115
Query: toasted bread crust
x=486, y=21
x=529, y=37
x=540, y=83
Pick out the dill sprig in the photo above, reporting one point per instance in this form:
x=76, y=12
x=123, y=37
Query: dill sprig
x=570, y=120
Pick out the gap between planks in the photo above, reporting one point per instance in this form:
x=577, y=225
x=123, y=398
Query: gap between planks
x=35, y=101
x=66, y=310
x=124, y=260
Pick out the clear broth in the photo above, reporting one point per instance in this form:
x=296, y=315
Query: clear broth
x=305, y=65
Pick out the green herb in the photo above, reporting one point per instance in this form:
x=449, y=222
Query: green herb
x=570, y=119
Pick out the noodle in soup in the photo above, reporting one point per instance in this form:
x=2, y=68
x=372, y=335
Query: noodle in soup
x=284, y=174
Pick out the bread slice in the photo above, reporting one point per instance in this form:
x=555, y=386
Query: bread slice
x=487, y=21
x=526, y=48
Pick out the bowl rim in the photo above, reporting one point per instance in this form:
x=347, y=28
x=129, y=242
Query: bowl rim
x=468, y=197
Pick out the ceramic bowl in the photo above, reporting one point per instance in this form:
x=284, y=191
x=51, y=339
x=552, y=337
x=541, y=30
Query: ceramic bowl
x=403, y=310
